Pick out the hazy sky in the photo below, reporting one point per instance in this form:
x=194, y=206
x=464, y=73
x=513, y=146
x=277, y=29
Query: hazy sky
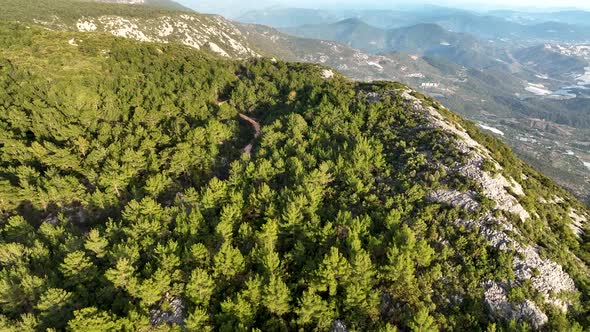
x=235, y=7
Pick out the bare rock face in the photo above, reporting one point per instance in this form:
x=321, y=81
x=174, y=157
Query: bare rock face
x=173, y=316
x=326, y=73
x=455, y=198
x=496, y=299
x=338, y=326
x=578, y=222
x=547, y=277
x=205, y=32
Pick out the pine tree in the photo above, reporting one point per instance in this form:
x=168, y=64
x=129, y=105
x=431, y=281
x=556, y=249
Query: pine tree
x=198, y=320
x=96, y=243
x=77, y=268
x=54, y=307
x=228, y=262
x=313, y=309
x=122, y=276
x=423, y=322
x=333, y=271
x=200, y=287
x=276, y=296
x=91, y=319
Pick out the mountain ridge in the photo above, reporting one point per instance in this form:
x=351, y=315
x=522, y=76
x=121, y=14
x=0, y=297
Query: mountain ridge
x=482, y=25
x=141, y=22
x=426, y=38
x=164, y=4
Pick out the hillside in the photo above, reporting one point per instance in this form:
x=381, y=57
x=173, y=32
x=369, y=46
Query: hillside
x=145, y=22
x=138, y=194
x=544, y=59
x=425, y=39
x=495, y=97
x=165, y=4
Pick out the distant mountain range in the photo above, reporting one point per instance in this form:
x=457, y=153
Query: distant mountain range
x=426, y=39
x=577, y=17
x=497, y=25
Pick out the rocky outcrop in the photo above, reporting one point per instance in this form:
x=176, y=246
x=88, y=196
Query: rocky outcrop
x=455, y=198
x=493, y=186
x=578, y=222
x=209, y=32
x=327, y=73
x=546, y=277
x=173, y=316
x=338, y=326
x=496, y=298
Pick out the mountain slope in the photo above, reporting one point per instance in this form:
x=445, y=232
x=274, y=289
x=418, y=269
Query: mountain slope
x=550, y=62
x=426, y=39
x=141, y=22
x=129, y=200
x=495, y=96
x=165, y=4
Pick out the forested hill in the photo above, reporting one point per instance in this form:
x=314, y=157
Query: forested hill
x=132, y=200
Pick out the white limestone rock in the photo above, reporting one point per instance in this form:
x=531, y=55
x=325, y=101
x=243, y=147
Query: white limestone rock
x=546, y=276
x=86, y=25
x=578, y=222
x=215, y=48
x=494, y=186
x=173, y=316
x=338, y=326
x=194, y=30
x=455, y=198
x=327, y=74
x=496, y=298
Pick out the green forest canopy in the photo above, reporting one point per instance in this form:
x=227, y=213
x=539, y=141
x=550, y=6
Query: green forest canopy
x=125, y=195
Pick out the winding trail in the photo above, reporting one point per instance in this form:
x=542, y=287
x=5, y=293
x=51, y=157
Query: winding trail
x=256, y=126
